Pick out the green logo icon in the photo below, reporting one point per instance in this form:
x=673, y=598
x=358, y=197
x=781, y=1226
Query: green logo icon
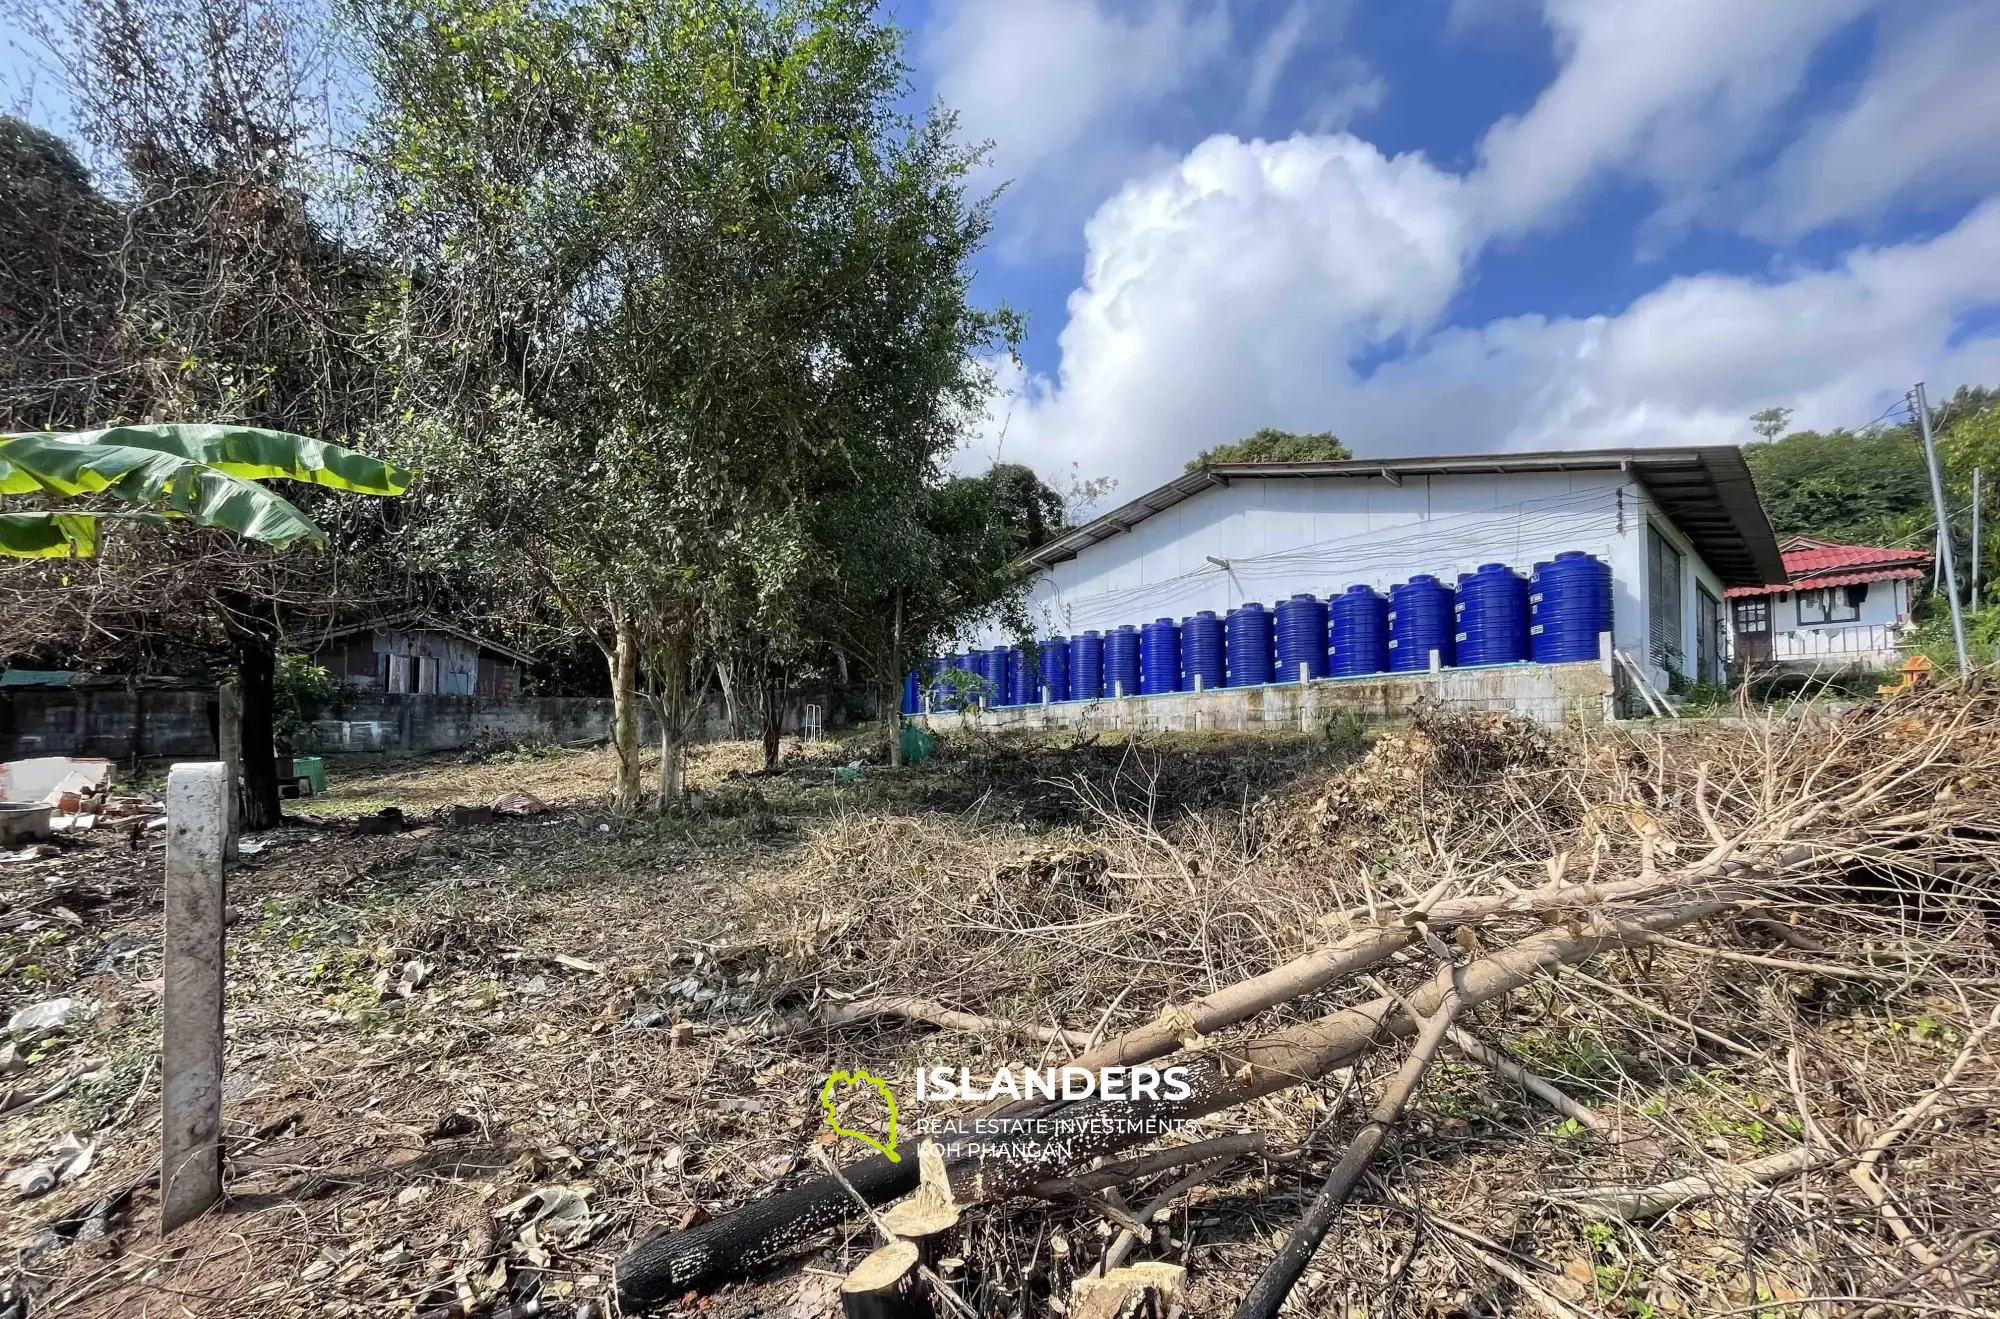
x=858, y=1077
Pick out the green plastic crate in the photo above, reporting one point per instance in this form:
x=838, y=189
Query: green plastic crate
x=312, y=768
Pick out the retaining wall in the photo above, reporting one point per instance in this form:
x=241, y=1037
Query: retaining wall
x=1546, y=693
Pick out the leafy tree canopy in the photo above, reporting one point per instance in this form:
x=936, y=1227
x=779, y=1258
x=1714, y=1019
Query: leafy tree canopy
x=1846, y=485
x=1271, y=445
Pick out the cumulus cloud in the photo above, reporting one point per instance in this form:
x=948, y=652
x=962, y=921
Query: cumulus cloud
x=1215, y=288
x=1256, y=283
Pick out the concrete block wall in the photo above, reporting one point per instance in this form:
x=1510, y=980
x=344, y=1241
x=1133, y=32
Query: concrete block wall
x=1552, y=694
x=111, y=722
x=430, y=722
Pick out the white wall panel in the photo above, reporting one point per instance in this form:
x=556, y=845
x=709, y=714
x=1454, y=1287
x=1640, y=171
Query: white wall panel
x=1319, y=535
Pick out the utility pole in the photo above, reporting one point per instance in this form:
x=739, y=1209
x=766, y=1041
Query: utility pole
x=1975, y=539
x=1923, y=408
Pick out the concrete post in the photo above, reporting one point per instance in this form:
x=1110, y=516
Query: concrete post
x=1117, y=690
x=1197, y=684
x=191, y=1063
x=229, y=748
x=1305, y=672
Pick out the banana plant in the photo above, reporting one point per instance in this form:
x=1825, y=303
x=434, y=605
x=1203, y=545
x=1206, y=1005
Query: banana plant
x=208, y=474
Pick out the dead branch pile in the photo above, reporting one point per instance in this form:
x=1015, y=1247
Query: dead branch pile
x=1785, y=878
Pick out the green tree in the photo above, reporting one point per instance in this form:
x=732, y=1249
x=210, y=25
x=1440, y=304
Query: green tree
x=1270, y=445
x=683, y=283
x=1770, y=423
x=1869, y=486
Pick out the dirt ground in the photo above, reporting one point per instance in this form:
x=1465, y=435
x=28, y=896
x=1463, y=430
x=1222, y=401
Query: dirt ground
x=467, y=1067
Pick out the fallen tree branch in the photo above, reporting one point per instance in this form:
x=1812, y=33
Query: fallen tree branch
x=1496, y=1061
x=1635, y=1204
x=1131, y=1170
x=991, y=1164
x=923, y=1010
x=1624, y=996
x=1364, y=949
x=1267, y=1295
x=1862, y=1174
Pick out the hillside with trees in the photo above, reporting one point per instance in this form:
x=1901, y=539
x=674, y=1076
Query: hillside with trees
x=1870, y=485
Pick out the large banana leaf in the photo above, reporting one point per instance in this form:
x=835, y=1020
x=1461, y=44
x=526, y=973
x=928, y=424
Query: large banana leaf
x=56, y=535
x=164, y=481
x=247, y=452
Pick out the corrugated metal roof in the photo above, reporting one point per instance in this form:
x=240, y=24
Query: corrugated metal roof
x=1705, y=489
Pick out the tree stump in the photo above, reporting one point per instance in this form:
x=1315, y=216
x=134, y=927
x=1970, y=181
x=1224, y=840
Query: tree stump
x=886, y=1285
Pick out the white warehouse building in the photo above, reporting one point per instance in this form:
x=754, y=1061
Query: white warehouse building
x=1677, y=526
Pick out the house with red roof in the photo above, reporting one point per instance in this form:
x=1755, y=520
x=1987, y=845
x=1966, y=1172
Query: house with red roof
x=1841, y=605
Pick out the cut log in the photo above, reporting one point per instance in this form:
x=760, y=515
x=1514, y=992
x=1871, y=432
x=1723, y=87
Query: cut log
x=927, y=1220
x=1143, y=1291
x=993, y=1158
x=886, y=1285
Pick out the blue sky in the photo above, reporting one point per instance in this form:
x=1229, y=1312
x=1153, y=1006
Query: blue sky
x=1438, y=226
x=1464, y=225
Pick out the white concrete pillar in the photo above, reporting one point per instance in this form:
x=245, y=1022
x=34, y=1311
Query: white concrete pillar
x=191, y=968
x=1305, y=672
x=1197, y=684
x=1117, y=690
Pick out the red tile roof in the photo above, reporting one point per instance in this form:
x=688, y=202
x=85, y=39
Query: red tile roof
x=1812, y=563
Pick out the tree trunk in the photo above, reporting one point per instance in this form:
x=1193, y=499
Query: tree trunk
x=674, y=718
x=257, y=667
x=896, y=684
x=731, y=711
x=772, y=697
x=625, y=713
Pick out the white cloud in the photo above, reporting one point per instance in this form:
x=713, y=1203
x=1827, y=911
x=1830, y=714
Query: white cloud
x=1922, y=127
x=1215, y=289
x=1238, y=288
x=1274, y=54
x=1673, y=92
x=1062, y=88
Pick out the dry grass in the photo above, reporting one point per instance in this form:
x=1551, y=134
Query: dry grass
x=1164, y=881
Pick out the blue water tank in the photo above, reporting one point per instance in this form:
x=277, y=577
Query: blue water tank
x=1569, y=603
x=1249, y=630
x=1360, y=627
x=1159, y=657
x=945, y=695
x=993, y=668
x=1055, y=668
x=1492, y=616
x=1021, y=677
x=1121, y=662
x=912, y=691
x=1201, y=651
x=1086, y=666
x=1301, y=637
x=1420, y=621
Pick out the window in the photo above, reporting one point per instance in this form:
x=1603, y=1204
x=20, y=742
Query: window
x=1833, y=605
x=1707, y=637
x=1753, y=614
x=1663, y=589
